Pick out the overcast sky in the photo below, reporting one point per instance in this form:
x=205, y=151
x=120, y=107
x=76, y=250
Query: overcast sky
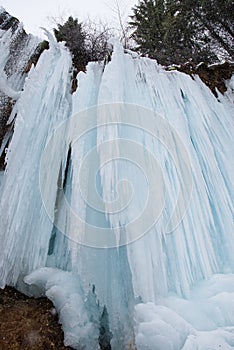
x=37, y=13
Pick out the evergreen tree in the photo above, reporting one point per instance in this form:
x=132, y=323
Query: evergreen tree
x=218, y=18
x=174, y=31
x=161, y=32
x=87, y=42
x=147, y=21
x=72, y=33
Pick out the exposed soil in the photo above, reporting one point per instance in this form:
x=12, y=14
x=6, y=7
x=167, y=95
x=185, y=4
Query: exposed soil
x=28, y=323
x=213, y=76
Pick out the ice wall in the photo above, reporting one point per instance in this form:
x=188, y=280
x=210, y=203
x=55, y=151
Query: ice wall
x=16, y=48
x=40, y=108
x=126, y=185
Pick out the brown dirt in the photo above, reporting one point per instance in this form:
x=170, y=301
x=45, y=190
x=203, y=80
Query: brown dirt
x=27, y=323
x=213, y=76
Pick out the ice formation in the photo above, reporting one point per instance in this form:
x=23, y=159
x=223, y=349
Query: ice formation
x=116, y=203
x=16, y=48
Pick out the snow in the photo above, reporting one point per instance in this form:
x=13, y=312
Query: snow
x=6, y=89
x=204, y=321
x=126, y=185
x=16, y=48
x=159, y=328
x=230, y=89
x=66, y=294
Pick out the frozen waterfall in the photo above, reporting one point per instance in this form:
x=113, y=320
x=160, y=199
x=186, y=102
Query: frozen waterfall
x=116, y=203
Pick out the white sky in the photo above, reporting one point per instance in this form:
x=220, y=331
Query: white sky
x=35, y=14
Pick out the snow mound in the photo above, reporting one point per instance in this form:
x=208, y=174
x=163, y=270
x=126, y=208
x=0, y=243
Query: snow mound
x=65, y=292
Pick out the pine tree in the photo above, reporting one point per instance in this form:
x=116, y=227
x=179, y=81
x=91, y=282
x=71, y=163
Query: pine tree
x=161, y=32
x=175, y=31
x=72, y=33
x=147, y=21
x=87, y=42
x=218, y=18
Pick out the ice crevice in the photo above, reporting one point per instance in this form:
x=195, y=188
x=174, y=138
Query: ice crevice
x=91, y=184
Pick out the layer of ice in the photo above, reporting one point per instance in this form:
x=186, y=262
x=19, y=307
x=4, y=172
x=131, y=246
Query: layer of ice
x=16, y=48
x=40, y=108
x=132, y=194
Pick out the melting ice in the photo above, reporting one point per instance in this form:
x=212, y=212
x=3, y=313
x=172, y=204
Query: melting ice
x=116, y=203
